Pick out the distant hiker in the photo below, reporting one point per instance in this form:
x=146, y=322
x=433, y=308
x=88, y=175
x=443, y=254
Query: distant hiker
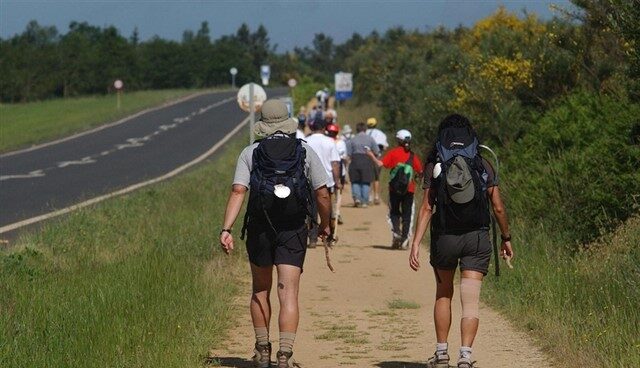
x=302, y=124
x=405, y=168
x=361, y=169
x=460, y=184
x=333, y=132
x=347, y=133
x=322, y=96
x=381, y=140
x=285, y=177
x=326, y=149
x=331, y=115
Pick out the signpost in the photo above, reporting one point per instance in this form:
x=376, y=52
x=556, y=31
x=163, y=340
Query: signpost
x=233, y=71
x=344, y=86
x=250, y=99
x=118, y=84
x=265, y=74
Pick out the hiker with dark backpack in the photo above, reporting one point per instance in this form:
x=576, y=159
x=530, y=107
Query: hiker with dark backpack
x=405, y=168
x=461, y=185
x=285, y=179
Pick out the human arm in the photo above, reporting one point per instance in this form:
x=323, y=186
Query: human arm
x=500, y=213
x=374, y=158
x=335, y=171
x=234, y=204
x=323, y=201
x=424, y=217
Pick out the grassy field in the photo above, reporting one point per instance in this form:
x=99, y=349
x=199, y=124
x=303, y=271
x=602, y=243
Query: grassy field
x=27, y=124
x=582, y=308
x=137, y=281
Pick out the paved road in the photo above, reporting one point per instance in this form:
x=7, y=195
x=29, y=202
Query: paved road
x=148, y=146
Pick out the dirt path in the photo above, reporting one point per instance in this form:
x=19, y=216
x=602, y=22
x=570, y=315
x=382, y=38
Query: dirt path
x=374, y=311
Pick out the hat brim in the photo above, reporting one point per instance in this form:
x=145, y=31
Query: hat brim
x=462, y=196
x=287, y=126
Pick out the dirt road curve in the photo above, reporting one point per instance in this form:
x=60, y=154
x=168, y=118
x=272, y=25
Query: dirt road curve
x=374, y=311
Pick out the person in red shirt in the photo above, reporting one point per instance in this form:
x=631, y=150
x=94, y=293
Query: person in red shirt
x=401, y=208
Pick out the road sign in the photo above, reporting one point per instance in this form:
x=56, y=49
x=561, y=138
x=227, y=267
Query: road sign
x=233, y=71
x=344, y=86
x=292, y=83
x=259, y=96
x=265, y=74
x=118, y=84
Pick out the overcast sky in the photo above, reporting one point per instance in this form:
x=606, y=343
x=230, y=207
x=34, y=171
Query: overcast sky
x=290, y=23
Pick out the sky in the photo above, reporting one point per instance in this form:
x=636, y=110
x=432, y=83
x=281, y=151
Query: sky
x=290, y=23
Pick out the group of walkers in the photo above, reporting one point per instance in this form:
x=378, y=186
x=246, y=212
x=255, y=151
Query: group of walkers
x=295, y=179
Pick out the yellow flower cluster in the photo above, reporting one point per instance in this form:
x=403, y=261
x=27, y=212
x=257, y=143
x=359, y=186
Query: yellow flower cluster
x=503, y=19
x=506, y=74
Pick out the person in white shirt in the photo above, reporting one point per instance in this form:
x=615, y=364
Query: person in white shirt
x=381, y=141
x=326, y=149
x=333, y=131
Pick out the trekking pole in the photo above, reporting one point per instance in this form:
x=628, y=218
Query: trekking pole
x=326, y=242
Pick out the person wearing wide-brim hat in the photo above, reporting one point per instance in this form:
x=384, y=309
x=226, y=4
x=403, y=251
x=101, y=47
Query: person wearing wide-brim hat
x=272, y=240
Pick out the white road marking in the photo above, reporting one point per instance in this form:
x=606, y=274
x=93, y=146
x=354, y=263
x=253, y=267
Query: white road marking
x=124, y=120
x=32, y=174
x=84, y=161
x=129, y=189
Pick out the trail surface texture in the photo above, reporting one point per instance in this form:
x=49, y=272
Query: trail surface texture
x=374, y=311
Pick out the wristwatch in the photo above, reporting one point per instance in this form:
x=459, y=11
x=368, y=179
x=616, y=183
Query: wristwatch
x=225, y=231
x=505, y=238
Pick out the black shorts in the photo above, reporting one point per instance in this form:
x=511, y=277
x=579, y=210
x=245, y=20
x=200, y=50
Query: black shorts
x=265, y=248
x=472, y=250
x=377, y=169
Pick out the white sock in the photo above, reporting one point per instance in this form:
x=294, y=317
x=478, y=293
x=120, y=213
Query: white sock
x=442, y=346
x=465, y=352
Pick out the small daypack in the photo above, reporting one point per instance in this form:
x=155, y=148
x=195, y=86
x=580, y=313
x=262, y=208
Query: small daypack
x=279, y=191
x=461, y=187
x=401, y=176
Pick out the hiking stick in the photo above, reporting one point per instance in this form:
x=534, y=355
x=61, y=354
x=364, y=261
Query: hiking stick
x=337, y=213
x=326, y=243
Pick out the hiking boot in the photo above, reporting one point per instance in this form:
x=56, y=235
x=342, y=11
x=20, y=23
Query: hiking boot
x=340, y=222
x=285, y=360
x=312, y=245
x=440, y=359
x=357, y=203
x=262, y=356
x=396, y=241
x=364, y=205
x=465, y=363
x=376, y=201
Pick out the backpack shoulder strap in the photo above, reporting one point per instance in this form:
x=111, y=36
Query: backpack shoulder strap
x=410, y=159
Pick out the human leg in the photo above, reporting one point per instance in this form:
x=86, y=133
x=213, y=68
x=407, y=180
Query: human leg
x=288, y=287
x=365, y=193
x=260, y=308
x=442, y=317
x=407, y=214
x=394, y=218
x=470, y=284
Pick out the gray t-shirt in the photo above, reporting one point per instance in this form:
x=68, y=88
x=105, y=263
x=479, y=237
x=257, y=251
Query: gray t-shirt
x=313, y=167
x=357, y=145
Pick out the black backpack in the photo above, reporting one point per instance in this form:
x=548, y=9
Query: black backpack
x=279, y=160
x=401, y=176
x=459, y=146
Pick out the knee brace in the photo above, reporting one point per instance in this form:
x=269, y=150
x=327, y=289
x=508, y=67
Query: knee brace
x=470, y=297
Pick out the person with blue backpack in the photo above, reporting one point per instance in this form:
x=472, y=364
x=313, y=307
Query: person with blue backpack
x=461, y=186
x=405, y=167
x=285, y=179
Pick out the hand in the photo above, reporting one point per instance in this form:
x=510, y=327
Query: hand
x=414, y=257
x=506, y=251
x=324, y=230
x=226, y=242
x=339, y=185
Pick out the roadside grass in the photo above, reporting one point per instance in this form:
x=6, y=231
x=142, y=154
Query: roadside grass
x=581, y=307
x=26, y=124
x=351, y=113
x=402, y=304
x=137, y=281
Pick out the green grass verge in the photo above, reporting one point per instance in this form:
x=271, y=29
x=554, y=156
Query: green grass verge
x=27, y=124
x=582, y=308
x=137, y=281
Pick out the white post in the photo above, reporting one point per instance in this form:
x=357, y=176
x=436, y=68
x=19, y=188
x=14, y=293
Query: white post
x=252, y=114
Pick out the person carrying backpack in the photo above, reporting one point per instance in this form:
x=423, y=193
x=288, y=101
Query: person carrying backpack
x=461, y=185
x=405, y=167
x=381, y=140
x=285, y=179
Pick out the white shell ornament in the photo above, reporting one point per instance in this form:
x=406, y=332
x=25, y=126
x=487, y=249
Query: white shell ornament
x=437, y=169
x=281, y=191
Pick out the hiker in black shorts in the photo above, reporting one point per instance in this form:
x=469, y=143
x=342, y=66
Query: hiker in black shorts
x=275, y=222
x=460, y=184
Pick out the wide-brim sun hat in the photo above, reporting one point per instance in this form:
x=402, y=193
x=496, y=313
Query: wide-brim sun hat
x=346, y=129
x=274, y=118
